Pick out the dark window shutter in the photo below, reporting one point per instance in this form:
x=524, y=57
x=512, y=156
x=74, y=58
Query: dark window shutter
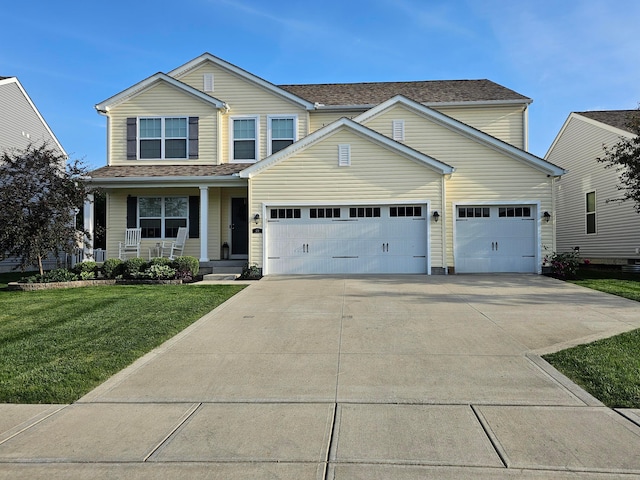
x=193, y=137
x=194, y=217
x=132, y=212
x=132, y=138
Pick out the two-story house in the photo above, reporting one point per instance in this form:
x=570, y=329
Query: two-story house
x=392, y=177
x=603, y=231
x=22, y=124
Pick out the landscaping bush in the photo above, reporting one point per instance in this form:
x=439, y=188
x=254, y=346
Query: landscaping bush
x=158, y=272
x=57, y=275
x=86, y=270
x=132, y=267
x=563, y=265
x=112, y=267
x=186, y=267
x=251, y=272
x=160, y=261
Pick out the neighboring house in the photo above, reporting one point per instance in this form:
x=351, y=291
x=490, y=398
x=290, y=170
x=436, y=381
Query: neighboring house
x=396, y=177
x=603, y=231
x=20, y=125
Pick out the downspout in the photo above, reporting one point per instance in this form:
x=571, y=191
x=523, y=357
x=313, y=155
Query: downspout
x=525, y=128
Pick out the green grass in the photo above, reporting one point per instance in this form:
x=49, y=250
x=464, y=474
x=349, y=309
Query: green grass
x=609, y=369
x=57, y=345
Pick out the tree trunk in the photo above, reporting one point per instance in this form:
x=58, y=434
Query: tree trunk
x=40, y=264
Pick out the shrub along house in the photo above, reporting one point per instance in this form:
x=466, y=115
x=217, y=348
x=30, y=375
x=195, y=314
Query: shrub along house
x=395, y=177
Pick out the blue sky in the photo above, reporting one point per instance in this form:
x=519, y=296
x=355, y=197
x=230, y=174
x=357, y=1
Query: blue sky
x=565, y=55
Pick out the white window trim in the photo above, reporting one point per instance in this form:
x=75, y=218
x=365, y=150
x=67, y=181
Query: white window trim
x=231, y=139
x=594, y=213
x=280, y=117
x=162, y=138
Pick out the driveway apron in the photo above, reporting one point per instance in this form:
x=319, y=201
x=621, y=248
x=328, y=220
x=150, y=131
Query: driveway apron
x=350, y=378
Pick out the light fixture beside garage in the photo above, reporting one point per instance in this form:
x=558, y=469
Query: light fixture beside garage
x=436, y=216
x=256, y=218
x=547, y=216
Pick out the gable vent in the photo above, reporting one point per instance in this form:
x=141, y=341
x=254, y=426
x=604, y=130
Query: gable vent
x=208, y=82
x=344, y=155
x=398, y=130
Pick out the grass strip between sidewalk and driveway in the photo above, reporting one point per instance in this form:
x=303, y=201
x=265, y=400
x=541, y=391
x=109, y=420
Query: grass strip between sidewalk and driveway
x=57, y=345
x=608, y=369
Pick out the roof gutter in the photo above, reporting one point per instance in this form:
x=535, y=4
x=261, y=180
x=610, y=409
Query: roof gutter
x=154, y=182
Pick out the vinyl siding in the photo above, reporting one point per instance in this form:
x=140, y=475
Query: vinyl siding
x=376, y=175
x=481, y=173
x=159, y=101
x=117, y=220
x=245, y=98
x=19, y=123
x=503, y=122
x=617, y=224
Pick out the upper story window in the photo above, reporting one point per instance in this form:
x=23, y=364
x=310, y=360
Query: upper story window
x=281, y=133
x=160, y=138
x=163, y=137
x=244, y=139
x=590, y=212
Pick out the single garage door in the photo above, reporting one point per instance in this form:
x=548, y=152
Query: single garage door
x=495, y=239
x=347, y=239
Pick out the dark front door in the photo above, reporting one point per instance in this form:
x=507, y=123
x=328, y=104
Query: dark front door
x=239, y=226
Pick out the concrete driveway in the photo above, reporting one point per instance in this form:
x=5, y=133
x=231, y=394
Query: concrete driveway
x=402, y=377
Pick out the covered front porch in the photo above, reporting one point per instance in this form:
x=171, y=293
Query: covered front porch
x=212, y=204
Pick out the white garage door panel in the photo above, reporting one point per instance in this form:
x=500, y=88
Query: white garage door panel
x=497, y=243
x=381, y=244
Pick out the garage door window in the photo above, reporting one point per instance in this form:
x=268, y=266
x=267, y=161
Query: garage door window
x=405, y=211
x=277, y=213
x=364, y=212
x=513, y=212
x=474, y=212
x=324, y=213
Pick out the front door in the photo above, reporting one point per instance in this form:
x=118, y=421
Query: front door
x=239, y=227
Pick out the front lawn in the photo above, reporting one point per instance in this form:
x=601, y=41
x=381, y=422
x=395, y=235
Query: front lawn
x=609, y=369
x=57, y=345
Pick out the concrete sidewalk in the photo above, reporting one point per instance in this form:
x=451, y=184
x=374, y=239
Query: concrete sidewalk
x=350, y=378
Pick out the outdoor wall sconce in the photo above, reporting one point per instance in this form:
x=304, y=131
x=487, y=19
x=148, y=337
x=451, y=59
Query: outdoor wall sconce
x=547, y=216
x=256, y=218
x=436, y=216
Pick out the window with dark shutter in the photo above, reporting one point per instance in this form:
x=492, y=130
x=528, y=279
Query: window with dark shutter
x=193, y=137
x=132, y=141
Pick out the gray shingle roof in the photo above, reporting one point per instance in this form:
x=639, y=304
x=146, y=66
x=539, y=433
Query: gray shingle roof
x=614, y=118
x=168, y=170
x=434, y=91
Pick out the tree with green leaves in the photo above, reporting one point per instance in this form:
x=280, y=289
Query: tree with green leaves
x=624, y=156
x=40, y=194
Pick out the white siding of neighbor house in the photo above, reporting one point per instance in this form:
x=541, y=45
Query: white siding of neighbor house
x=617, y=224
x=117, y=220
x=505, y=122
x=482, y=174
x=376, y=175
x=20, y=124
x=245, y=98
x=163, y=100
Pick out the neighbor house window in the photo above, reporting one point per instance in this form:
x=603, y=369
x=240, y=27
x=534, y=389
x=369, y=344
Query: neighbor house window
x=244, y=139
x=282, y=133
x=163, y=137
x=160, y=217
x=591, y=212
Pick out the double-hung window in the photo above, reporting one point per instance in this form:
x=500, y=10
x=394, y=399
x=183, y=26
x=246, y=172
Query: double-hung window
x=160, y=217
x=282, y=132
x=590, y=212
x=163, y=137
x=244, y=139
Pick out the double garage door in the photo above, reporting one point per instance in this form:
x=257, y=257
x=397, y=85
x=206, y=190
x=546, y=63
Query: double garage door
x=347, y=239
x=498, y=238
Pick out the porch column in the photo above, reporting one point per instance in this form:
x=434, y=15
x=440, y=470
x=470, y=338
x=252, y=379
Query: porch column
x=204, y=224
x=87, y=245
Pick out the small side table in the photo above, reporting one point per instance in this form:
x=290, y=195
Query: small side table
x=155, y=251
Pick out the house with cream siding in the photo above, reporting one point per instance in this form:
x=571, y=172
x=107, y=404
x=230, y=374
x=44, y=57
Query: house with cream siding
x=605, y=232
x=22, y=124
x=389, y=177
